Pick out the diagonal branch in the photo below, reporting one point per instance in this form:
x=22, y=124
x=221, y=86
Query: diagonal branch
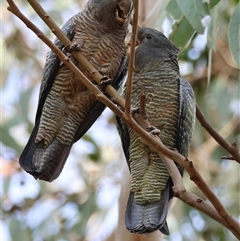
x=232, y=149
x=199, y=204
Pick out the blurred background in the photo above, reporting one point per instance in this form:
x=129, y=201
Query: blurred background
x=84, y=203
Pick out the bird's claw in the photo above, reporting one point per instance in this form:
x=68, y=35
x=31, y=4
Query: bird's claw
x=73, y=47
x=153, y=130
x=105, y=81
x=135, y=110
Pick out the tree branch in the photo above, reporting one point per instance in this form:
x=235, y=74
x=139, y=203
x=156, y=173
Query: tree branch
x=199, y=204
x=222, y=216
x=231, y=148
x=131, y=60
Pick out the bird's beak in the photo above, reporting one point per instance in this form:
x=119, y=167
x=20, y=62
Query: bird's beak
x=128, y=40
x=123, y=11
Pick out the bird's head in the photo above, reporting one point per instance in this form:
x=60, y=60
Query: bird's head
x=151, y=38
x=111, y=13
x=152, y=45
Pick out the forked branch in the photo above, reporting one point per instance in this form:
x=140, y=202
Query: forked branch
x=231, y=148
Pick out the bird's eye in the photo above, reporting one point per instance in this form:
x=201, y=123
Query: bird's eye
x=149, y=36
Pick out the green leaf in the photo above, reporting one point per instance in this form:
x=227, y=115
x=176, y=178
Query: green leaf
x=162, y=13
x=213, y=3
x=173, y=9
x=24, y=102
x=96, y=154
x=212, y=30
x=194, y=11
x=234, y=34
x=182, y=32
x=8, y=140
x=18, y=231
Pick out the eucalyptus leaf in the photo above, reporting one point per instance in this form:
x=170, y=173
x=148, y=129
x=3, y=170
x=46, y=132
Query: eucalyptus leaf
x=9, y=141
x=96, y=153
x=182, y=32
x=174, y=10
x=212, y=30
x=18, y=232
x=194, y=11
x=24, y=103
x=162, y=13
x=234, y=34
x=213, y=3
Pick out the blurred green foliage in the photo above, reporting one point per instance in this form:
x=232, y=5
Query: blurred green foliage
x=69, y=208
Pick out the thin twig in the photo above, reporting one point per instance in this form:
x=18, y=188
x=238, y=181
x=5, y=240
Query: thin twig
x=131, y=60
x=142, y=106
x=209, y=68
x=199, y=204
x=210, y=144
x=106, y=101
x=227, y=158
x=232, y=149
x=173, y=172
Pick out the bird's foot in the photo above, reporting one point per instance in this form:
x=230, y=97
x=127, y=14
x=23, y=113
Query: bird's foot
x=73, y=47
x=153, y=130
x=104, y=82
x=135, y=110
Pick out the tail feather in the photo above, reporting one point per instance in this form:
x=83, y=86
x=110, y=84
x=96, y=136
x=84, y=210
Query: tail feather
x=25, y=159
x=150, y=217
x=44, y=164
x=48, y=163
x=164, y=229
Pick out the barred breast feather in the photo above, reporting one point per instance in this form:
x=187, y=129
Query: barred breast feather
x=149, y=175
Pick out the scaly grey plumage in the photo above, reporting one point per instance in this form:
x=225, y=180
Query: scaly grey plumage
x=170, y=107
x=66, y=109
